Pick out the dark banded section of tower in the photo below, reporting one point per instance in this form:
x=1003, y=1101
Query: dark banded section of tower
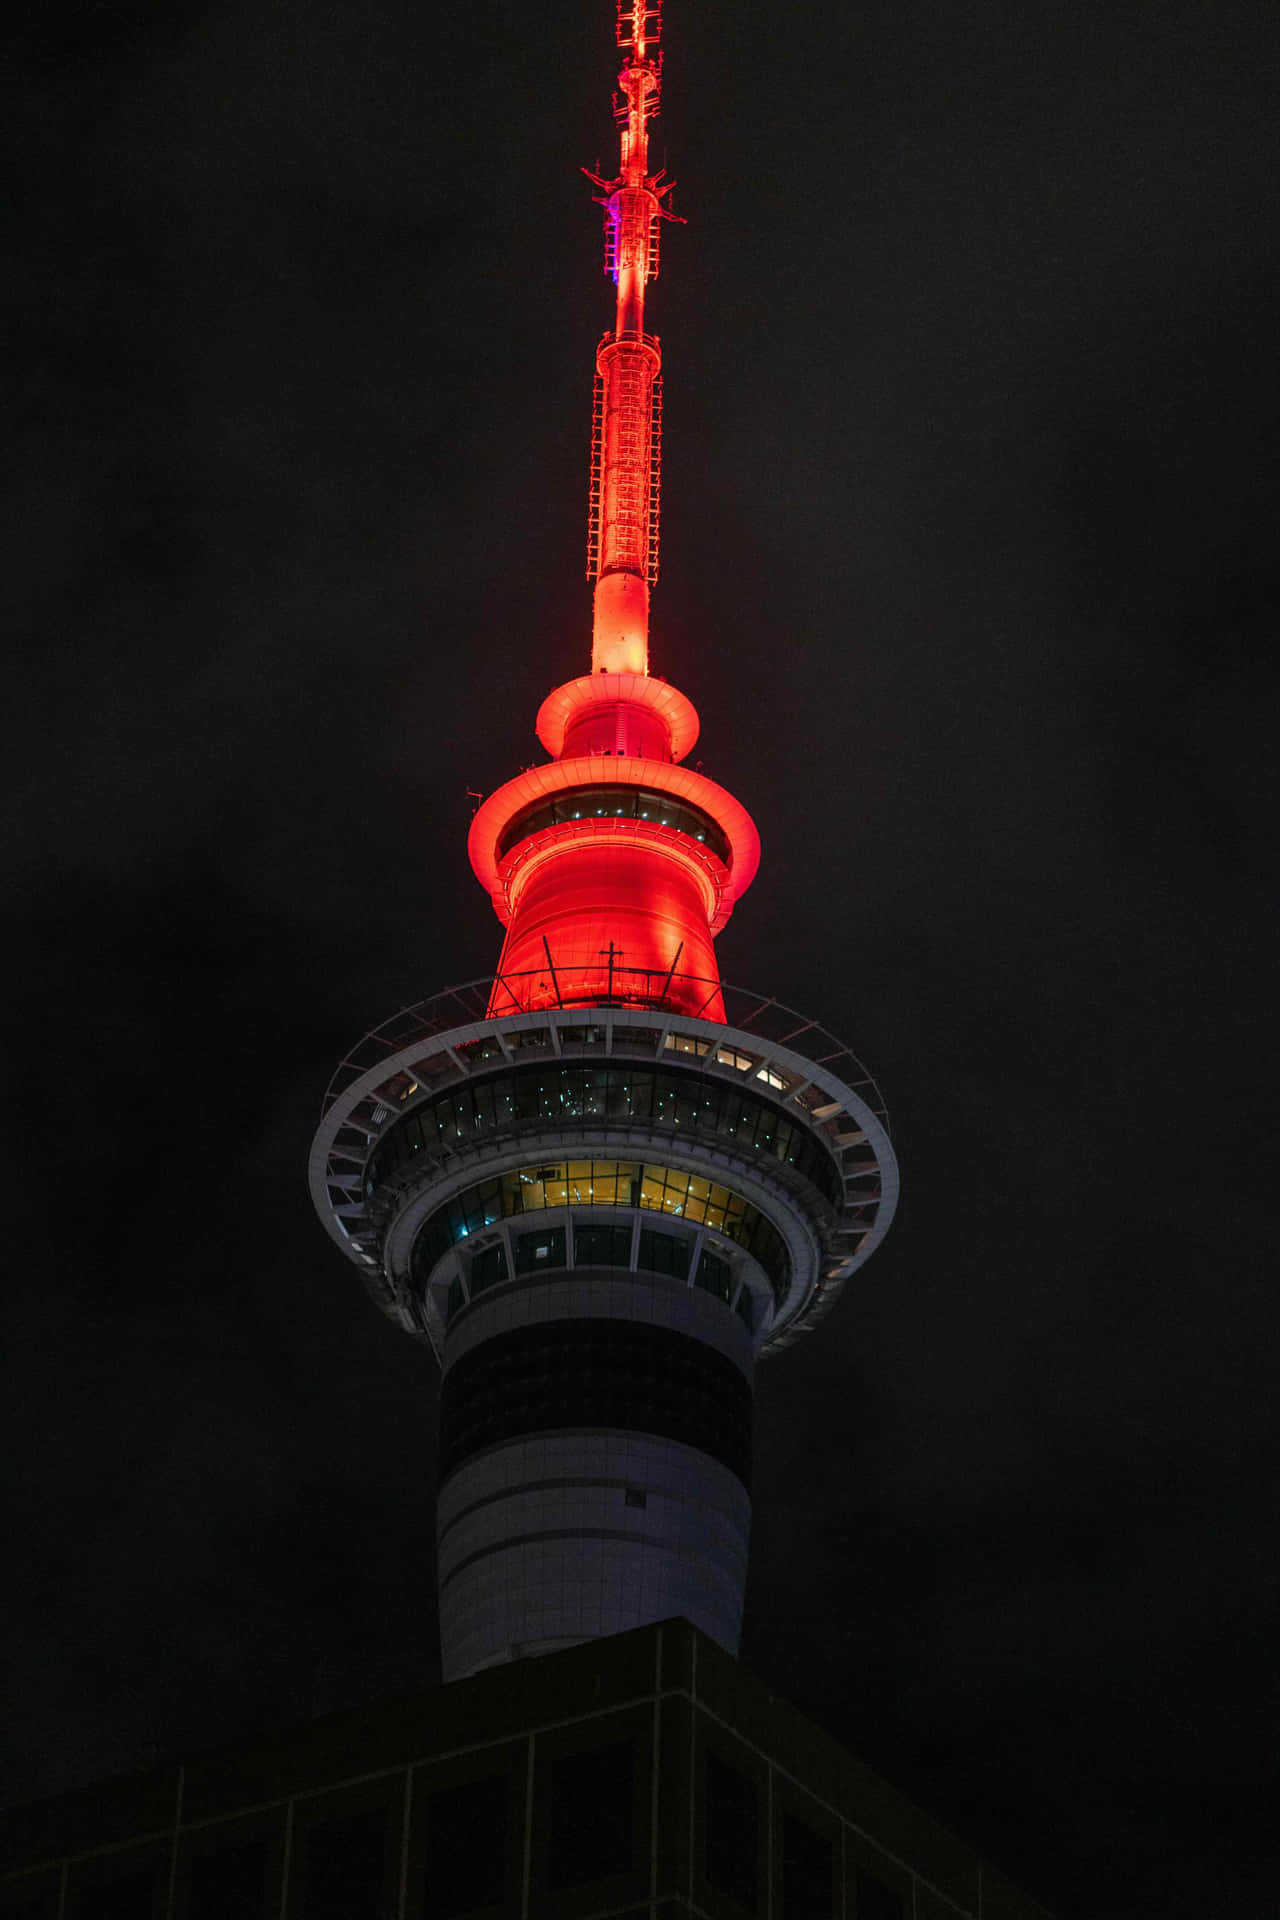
x=594, y=1464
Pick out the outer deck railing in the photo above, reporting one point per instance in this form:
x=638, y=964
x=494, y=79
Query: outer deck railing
x=628, y=989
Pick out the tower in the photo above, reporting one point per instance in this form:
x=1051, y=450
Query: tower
x=603, y=1183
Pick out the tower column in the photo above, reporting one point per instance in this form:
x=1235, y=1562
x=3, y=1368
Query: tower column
x=612, y=1486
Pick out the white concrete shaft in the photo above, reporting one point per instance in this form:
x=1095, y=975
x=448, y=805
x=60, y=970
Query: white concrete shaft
x=553, y=1538
x=540, y=1548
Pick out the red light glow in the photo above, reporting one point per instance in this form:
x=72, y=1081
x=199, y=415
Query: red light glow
x=594, y=901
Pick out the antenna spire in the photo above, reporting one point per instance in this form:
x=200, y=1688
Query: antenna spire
x=622, y=538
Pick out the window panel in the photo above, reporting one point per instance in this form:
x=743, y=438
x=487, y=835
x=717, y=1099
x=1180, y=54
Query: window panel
x=715, y=1275
x=344, y=1865
x=664, y=1253
x=808, y=1871
x=488, y=1268
x=230, y=1878
x=732, y=1831
x=591, y=1829
x=687, y=1100
x=593, y=1373
x=602, y=1183
x=540, y=1251
x=467, y=1847
x=608, y=1245
x=876, y=1901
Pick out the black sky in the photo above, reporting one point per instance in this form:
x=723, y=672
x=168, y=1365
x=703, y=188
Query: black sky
x=970, y=426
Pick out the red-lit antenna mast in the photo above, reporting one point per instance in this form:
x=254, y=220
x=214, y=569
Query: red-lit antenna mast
x=622, y=535
x=614, y=868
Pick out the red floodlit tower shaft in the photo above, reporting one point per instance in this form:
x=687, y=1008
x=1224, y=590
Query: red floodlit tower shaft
x=613, y=868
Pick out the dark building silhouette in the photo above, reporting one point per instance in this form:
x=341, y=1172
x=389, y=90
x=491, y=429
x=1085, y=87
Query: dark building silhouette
x=645, y=1775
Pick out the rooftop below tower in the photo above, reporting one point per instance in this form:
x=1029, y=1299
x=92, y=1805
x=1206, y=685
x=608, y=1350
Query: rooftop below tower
x=645, y=1777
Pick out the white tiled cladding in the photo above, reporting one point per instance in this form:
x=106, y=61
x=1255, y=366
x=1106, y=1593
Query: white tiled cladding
x=580, y=1562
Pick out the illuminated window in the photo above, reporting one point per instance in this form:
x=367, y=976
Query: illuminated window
x=596, y=1373
x=584, y=1183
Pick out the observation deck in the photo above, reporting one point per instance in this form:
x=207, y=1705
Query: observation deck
x=437, y=1104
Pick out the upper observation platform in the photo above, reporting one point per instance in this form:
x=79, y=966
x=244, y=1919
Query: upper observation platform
x=762, y=1099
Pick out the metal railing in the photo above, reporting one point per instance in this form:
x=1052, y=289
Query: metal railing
x=762, y=1018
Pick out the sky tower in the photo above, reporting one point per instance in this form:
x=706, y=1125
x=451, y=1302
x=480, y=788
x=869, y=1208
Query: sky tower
x=603, y=1182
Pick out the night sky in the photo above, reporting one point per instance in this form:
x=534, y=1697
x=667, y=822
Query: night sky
x=971, y=404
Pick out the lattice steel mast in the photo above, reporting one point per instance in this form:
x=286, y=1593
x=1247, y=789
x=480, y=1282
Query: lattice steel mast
x=622, y=536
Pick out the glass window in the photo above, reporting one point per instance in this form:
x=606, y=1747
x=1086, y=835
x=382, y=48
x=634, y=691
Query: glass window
x=591, y=1829
x=229, y=1878
x=488, y=1267
x=467, y=1847
x=808, y=1871
x=732, y=1831
x=663, y=1253
x=344, y=1865
x=715, y=1275
x=456, y=1298
x=600, y=1183
x=651, y=1187
x=876, y=1901
x=37, y=1906
x=745, y=1308
x=595, y=1373
x=540, y=1252
x=686, y=1043
x=550, y=1092
x=530, y=1037
x=105, y=1892
x=639, y=1038
x=614, y=803
x=601, y=1246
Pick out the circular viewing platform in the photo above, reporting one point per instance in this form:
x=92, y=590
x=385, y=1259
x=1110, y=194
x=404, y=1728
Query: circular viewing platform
x=753, y=1095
